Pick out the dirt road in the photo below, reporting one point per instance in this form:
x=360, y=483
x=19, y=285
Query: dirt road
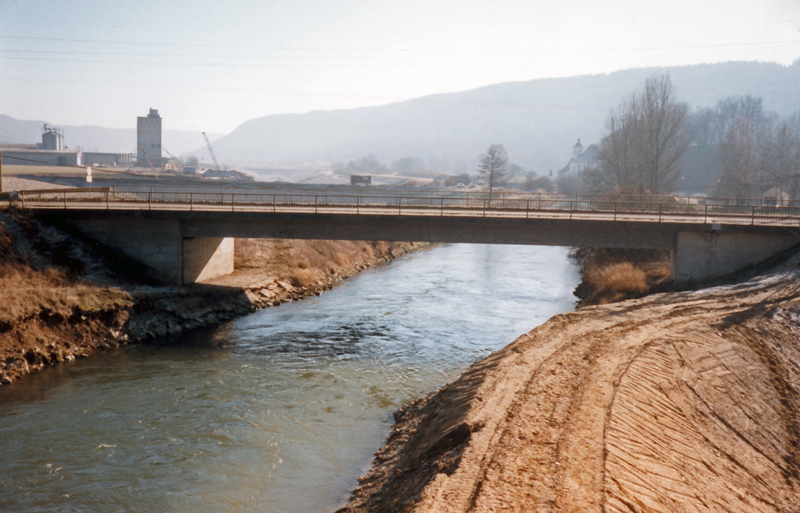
x=675, y=402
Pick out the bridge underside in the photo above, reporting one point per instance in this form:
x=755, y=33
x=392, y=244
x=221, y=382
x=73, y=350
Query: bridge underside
x=185, y=247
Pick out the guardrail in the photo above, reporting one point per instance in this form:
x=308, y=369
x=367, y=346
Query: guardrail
x=597, y=207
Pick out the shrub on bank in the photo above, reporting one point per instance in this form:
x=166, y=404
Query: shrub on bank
x=615, y=282
x=610, y=275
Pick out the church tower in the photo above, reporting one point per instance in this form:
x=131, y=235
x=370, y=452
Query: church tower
x=577, y=149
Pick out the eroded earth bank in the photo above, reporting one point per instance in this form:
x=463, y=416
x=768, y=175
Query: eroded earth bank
x=64, y=296
x=674, y=402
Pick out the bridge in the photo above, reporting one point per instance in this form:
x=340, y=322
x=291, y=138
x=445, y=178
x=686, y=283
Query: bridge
x=186, y=234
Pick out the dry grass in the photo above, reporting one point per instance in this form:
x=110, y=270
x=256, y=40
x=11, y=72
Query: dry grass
x=615, y=282
x=611, y=275
x=308, y=263
x=50, y=292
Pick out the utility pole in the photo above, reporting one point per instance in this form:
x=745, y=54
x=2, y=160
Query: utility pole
x=1, y=171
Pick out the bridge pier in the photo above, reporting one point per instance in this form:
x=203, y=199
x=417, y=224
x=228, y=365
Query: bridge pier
x=161, y=245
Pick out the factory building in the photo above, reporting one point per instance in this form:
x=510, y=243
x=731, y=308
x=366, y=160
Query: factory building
x=52, y=139
x=52, y=152
x=148, y=140
x=13, y=155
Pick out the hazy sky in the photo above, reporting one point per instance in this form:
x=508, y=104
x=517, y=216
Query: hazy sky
x=211, y=65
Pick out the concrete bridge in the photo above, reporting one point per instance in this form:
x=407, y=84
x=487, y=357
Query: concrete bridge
x=186, y=235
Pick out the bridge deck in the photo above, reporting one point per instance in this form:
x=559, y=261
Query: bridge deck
x=534, y=206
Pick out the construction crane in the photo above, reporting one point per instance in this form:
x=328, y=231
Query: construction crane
x=213, y=157
x=152, y=169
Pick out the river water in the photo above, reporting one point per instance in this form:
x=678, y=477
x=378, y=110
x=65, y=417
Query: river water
x=279, y=411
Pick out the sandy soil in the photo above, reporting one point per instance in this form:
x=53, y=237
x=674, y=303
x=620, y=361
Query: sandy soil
x=674, y=402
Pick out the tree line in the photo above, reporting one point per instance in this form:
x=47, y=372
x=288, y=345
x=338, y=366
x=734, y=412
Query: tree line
x=649, y=133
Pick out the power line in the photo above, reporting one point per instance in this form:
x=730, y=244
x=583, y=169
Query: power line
x=372, y=50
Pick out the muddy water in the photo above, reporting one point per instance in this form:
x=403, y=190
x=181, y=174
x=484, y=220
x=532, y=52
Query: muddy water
x=279, y=411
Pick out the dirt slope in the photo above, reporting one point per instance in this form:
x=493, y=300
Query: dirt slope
x=675, y=402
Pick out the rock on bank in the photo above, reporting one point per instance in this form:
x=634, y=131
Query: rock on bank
x=675, y=402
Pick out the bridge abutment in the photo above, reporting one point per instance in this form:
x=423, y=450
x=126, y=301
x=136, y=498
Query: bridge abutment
x=705, y=255
x=161, y=245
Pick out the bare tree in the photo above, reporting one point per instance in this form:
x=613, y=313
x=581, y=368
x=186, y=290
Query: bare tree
x=748, y=138
x=492, y=166
x=646, y=137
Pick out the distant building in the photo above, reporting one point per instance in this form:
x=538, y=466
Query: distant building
x=106, y=159
x=52, y=152
x=49, y=152
x=775, y=196
x=360, y=179
x=581, y=159
x=52, y=139
x=14, y=156
x=148, y=140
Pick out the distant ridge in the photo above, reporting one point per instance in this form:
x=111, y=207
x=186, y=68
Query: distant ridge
x=537, y=121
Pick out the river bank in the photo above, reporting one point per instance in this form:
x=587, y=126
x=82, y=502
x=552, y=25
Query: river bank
x=66, y=297
x=683, y=401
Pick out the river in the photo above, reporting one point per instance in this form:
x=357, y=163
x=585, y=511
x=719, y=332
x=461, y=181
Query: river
x=279, y=411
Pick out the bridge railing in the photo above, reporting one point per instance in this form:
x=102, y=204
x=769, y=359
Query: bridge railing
x=618, y=208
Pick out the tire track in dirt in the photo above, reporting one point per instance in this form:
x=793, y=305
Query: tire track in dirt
x=676, y=402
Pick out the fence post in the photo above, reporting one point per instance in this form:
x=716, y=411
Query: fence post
x=571, y=207
x=659, y=211
x=150, y=199
x=358, y=204
x=441, y=206
x=615, y=210
x=107, y=191
x=316, y=203
x=65, y=200
x=705, y=214
x=752, y=214
x=191, y=201
x=527, y=208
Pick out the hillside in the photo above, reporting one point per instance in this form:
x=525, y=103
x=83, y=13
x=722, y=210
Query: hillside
x=96, y=138
x=537, y=121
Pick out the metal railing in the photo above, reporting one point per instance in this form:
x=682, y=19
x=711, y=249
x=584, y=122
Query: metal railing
x=380, y=202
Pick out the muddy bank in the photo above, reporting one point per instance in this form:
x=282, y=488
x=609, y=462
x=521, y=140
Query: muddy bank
x=675, y=402
x=65, y=297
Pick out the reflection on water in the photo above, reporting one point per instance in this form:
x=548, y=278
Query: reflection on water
x=278, y=411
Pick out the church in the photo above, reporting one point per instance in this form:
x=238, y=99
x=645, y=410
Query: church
x=581, y=159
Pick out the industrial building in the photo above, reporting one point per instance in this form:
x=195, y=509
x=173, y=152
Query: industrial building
x=148, y=141
x=52, y=152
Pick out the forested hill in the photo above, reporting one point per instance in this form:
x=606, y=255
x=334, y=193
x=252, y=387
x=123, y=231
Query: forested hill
x=537, y=121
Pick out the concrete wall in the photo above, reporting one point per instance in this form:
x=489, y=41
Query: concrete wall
x=206, y=257
x=707, y=255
